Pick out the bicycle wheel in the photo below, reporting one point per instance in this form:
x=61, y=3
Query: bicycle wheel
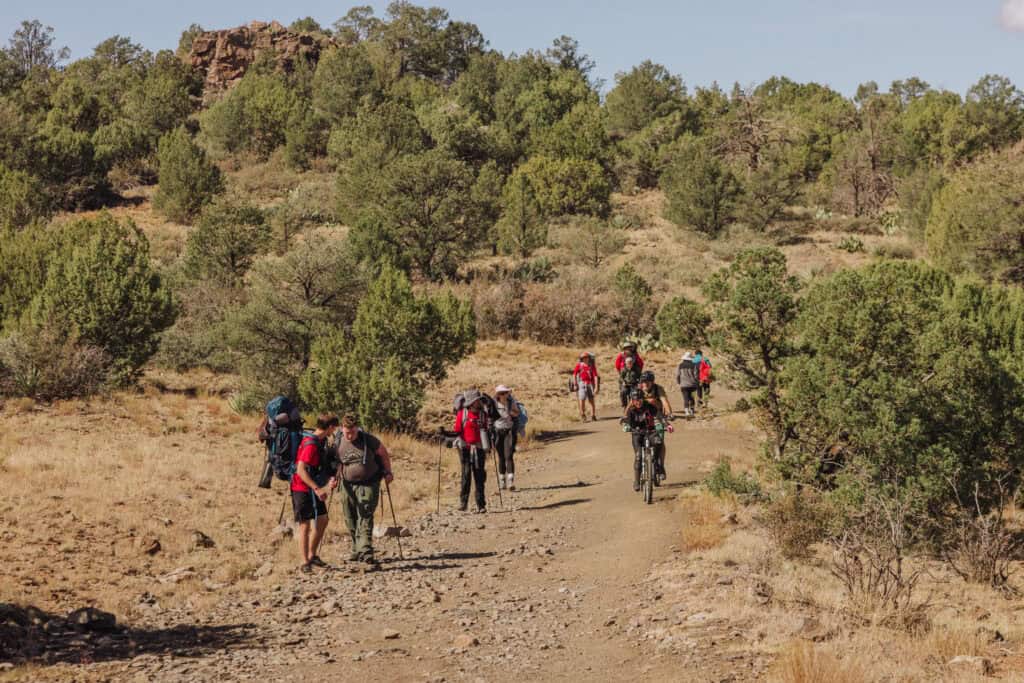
x=649, y=476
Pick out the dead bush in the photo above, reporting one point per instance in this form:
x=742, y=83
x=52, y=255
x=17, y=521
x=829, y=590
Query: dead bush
x=979, y=547
x=796, y=521
x=869, y=559
x=572, y=310
x=46, y=365
x=499, y=309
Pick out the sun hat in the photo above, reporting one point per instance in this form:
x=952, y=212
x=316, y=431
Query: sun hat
x=470, y=396
x=502, y=389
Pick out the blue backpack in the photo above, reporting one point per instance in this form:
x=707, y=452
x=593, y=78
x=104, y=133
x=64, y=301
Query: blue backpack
x=522, y=419
x=281, y=431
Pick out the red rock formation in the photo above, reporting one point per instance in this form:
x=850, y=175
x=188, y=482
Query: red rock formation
x=224, y=56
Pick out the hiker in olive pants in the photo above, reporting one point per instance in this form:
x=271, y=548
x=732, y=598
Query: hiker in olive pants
x=364, y=462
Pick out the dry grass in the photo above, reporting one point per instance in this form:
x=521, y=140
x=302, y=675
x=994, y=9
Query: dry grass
x=805, y=663
x=702, y=527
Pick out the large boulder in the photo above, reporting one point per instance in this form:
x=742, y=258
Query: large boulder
x=224, y=56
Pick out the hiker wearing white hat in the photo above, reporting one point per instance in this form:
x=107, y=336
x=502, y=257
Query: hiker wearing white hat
x=506, y=433
x=688, y=379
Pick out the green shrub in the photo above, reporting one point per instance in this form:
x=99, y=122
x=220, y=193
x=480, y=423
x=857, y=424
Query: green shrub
x=723, y=481
x=682, y=322
x=381, y=368
x=226, y=240
x=894, y=251
x=102, y=291
x=742, y=405
x=566, y=186
x=252, y=117
x=23, y=199
x=700, y=190
x=851, y=245
x=188, y=181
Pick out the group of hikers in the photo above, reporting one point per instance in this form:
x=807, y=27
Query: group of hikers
x=644, y=401
x=339, y=456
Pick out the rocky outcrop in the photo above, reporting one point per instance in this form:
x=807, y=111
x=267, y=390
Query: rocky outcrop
x=224, y=56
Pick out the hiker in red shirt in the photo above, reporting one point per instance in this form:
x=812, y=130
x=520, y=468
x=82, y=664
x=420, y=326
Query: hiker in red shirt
x=587, y=383
x=311, y=483
x=628, y=349
x=470, y=426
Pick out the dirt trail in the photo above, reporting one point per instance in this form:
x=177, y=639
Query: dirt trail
x=546, y=588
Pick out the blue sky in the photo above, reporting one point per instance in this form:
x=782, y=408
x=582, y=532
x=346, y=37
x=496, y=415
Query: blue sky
x=949, y=43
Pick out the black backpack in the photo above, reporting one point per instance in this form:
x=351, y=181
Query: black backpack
x=281, y=431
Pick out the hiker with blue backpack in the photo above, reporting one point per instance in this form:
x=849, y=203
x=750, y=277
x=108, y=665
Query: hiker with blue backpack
x=506, y=430
x=313, y=480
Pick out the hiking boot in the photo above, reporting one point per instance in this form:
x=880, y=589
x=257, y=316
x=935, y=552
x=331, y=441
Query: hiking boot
x=463, y=506
x=317, y=562
x=306, y=568
x=510, y=480
x=480, y=510
x=593, y=418
x=354, y=556
x=636, y=484
x=368, y=558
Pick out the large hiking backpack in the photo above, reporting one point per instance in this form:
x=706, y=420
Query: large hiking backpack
x=522, y=419
x=281, y=432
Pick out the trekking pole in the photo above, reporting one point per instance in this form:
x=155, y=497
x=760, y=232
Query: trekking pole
x=284, y=501
x=440, y=449
x=327, y=511
x=497, y=478
x=398, y=530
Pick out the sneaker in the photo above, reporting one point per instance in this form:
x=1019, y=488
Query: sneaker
x=593, y=418
x=369, y=559
x=306, y=568
x=463, y=507
x=480, y=511
x=501, y=481
x=636, y=486
x=354, y=557
x=317, y=562
x=510, y=480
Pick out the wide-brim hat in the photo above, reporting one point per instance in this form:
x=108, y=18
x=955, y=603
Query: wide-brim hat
x=471, y=395
x=502, y=389
x=687, y=356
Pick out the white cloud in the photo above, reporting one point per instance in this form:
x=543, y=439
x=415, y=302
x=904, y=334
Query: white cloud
x=1012, y=16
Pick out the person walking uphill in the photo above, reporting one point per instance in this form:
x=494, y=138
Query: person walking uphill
x=688, y=379
x=309, y=489
x=506, y=435
x=588, y=384
x=471, y=429
x=363, y=462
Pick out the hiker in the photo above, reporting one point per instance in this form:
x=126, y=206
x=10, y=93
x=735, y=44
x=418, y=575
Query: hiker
x=471, y=425
x=311, y=483
x=654, y=393
x=640, y=416
x=704, y=374
x=628, y=349
x=629, y=378
x=506, y=429
x=364, y=461
x=688, y=379
x=588, y=384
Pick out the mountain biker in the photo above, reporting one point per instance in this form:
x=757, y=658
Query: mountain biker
x=688, y=379
x=641, y=416
x=629, y=378
x=588, y=384
x=628, y=349
x=654, y=394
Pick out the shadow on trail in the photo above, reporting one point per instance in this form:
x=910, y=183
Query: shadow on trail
x=560, y=435
x=554, y=487
x=442, y=556
x=556, y=505
x=680, y=485
x=28, y=635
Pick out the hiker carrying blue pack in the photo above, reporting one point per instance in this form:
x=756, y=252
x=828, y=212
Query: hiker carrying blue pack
x=506, y=430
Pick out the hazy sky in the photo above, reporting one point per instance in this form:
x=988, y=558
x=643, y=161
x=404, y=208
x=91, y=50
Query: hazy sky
x=949, y=43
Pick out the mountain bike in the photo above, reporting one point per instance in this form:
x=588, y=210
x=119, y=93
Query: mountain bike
x=652, y=438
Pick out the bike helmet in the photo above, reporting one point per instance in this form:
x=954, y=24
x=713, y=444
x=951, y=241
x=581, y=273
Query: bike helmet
x=635, y=395
x=647, y=376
